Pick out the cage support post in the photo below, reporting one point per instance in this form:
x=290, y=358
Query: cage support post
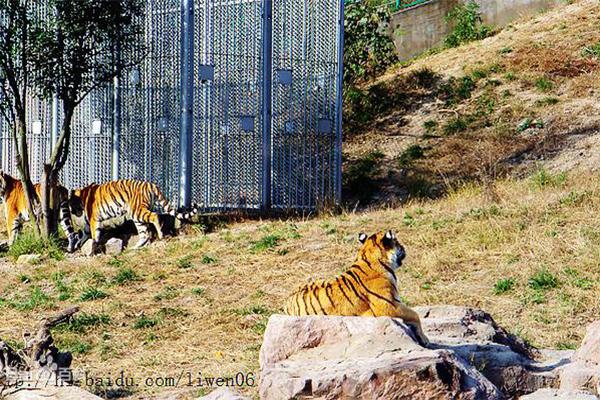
x=116, y=134
x=55, y=121
x=187, y=102
x=339, y=103
x=267, y=56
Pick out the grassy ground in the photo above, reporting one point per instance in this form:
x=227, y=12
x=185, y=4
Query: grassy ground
x=525, y=250
x=484, y=110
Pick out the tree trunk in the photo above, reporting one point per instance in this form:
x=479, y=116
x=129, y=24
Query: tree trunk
x=49, y=202
x=23, y=167
x=49, y=182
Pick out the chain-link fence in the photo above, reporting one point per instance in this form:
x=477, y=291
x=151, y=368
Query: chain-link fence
x=266, y=113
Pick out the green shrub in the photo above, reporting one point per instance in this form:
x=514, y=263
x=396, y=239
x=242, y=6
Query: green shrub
x=265, y=243
x=430, y=126
x=467, y=23
x=28, y=243
x=83, y=322
x=92, y=293
x=36, y=299
x=592, y=51
x=504, y=285
x=144, y=322
x=368, y=49
x=359, y=178
x=208, y=259
x=185, y=262
x=542, y=178
x=408, y=156
x=544, y=84
x=455, y=125
x=547, y=101
x=125, y=275
x=543, y=280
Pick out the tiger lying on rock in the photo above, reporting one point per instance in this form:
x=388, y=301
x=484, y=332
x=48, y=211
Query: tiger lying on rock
x=368, y=288
x=129, y=199
x=15, y=204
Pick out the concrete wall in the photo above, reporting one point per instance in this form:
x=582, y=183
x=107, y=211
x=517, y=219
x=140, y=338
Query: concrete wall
x=422, y=27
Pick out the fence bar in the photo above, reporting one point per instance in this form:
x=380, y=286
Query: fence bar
x=339, y=103
x=55, y=122
x=116, y=133
x=267, y=59
x=187, y=102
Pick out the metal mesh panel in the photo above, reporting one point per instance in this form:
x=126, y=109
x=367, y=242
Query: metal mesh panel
x=89, y=156
x=305, y=118
x=227, y=99
x=228, y=109
x=151, y=103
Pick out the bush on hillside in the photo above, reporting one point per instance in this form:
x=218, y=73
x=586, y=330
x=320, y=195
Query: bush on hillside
x=368, y=49
x=467, y=25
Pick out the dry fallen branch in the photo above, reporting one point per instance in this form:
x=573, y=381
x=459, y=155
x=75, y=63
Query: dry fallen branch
x=39, y=352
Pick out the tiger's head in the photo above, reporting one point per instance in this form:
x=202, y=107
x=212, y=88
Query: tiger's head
x=75, y=203
x=383, y=247
x=4, y=183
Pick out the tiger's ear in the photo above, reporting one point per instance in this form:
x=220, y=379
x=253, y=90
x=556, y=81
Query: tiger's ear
x=362, y=237
x=390, y=235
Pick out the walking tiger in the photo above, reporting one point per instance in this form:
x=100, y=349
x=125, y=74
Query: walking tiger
x=15, y=206
x=134, y=200
x=368, y=288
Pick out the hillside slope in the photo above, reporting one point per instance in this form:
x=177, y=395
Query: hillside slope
x=528, y=95
x=199, y=303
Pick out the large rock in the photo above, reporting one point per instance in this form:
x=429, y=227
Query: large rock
x=53, y=393
x=555, y=394
x=506, y=360
x=353, y=357
x=328, y=357
x=584, y=372
x=222, y=394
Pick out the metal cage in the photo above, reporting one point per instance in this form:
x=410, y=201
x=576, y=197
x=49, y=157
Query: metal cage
x=236, y=105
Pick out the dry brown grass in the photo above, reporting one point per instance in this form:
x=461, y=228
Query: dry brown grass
x=459, y=247
x=535, y=69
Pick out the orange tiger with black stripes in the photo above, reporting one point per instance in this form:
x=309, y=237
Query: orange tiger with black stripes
x=123, y=199
x=368, y=288
x=15, y=207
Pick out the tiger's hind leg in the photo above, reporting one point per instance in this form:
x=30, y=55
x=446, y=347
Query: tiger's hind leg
x=142, y=230
x=67, y=227
x=145, y=216
x=14, y=229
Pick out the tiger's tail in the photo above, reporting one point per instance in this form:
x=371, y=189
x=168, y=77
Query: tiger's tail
x=181, y=213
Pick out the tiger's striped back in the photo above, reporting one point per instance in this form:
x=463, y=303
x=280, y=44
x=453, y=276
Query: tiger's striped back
x=357, y=291
x=114, y=199
x=132, y=199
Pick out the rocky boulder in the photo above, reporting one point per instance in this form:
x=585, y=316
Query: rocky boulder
x=222, y=394
x=470, y=357
x=353, y=357
x=555, y=394
x=505, y=359
x=584, y=371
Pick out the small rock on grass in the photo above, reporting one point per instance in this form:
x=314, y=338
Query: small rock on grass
x=29, y=259
x=222, y=394
x=114, y=246
x=87, y=249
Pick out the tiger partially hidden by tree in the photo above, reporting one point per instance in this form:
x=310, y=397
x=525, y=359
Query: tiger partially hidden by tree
x=125, y=199
x=368, y=288
x=15, y=206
